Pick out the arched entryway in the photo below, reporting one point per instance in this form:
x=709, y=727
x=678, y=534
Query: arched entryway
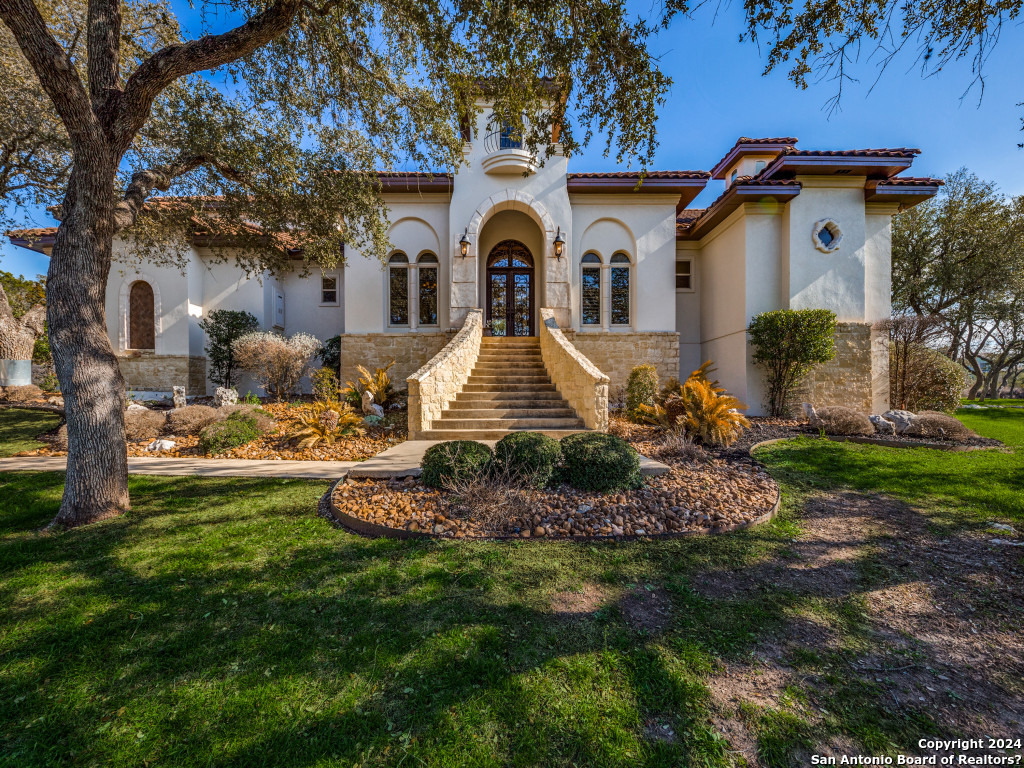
x=511, y=288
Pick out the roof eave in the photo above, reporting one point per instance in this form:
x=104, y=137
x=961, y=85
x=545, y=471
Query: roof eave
x=687, y=188
x=872, y=167
x=743, y=150
x=736, y=196
x=906, y=195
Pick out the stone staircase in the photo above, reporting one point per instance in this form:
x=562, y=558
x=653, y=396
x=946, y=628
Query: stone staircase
x=508, y=390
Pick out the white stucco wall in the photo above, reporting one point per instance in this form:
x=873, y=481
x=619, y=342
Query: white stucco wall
x=688, y=313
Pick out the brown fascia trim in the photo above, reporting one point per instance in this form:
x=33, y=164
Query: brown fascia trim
x=902, y=191
x=687, y=189
x=742, y=149
x=39, y=243
x=874, y=167
x=733, y=198
x=438, y=183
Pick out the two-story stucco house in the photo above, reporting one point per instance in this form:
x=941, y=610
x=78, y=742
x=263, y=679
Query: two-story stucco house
x=609, y=270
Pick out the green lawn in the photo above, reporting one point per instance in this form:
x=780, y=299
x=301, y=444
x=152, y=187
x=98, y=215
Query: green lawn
x=20, y=427
x=222, y=624
x=979, y=485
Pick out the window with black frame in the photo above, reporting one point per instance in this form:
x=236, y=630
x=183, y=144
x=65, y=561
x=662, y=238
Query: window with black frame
x=427, y=264
x=398, y=290
x=590, y=289
x=620, y=300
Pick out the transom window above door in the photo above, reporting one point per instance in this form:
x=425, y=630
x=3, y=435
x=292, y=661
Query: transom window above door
x=510, y=254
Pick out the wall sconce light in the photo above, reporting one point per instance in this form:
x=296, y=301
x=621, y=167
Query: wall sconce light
x=464, y=243
x=559, y=243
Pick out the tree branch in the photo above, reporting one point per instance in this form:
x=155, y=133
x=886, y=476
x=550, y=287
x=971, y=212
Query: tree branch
x=160, y=178
x=104, y=60
x=208, y=52
x=55, y=71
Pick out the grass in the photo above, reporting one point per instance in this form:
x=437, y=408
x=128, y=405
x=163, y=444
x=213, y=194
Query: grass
x=975, y=486
x=222, y=624
x=20, y=428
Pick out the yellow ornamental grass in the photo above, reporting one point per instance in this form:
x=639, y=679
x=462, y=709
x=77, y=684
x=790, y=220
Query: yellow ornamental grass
x=710, y=417
x=326, y=423
x=377, y=383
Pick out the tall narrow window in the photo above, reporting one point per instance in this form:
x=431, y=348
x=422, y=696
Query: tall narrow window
x=141, y=316
x=590, y=293
x=398, y=289
x=684, y=275
x=620, y=289
x=758, y=166
x=428, y=288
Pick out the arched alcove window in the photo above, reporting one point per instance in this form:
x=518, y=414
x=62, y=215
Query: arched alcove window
x=141, y=316
x=427, y=278
x=620, y=299
x=398, y=289
x=590, y=291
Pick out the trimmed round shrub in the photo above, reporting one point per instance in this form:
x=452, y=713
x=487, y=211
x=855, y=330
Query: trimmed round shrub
x=143, y=425
x=238, y=429
x=190, y=420
x=530, y=455
x=839, y=420
x=641, y=388
x=924, y=379
x=454, y=460
x=594, y=461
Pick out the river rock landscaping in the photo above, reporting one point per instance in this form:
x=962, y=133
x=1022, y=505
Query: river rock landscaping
x=694, y=496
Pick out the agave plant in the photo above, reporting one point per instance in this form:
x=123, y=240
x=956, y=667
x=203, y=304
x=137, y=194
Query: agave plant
x=655, y=415
x=326, y=423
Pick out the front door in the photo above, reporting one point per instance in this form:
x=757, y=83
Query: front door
x=510, y=289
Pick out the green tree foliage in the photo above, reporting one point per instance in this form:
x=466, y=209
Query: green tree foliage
x=788, y=343
x=222, y=327
x=959, y=259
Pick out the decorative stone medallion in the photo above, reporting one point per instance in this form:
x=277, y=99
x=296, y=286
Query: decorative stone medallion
x=826, y=235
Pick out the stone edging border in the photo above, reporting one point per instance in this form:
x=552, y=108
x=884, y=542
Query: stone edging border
x=327, y=509
x=880, y=441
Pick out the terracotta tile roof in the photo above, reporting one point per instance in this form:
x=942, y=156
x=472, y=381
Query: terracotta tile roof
x=881, y=152
x=638, y=174
x=911, y=181
x=25, y=234
x=744, y=189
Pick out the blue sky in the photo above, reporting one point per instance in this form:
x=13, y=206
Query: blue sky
x=720, y=94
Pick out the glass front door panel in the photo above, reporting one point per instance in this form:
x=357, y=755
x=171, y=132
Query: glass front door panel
x=499, y=303
x=520, y=304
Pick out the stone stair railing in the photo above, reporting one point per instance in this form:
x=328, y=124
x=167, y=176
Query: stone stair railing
x=437, y=383
x=579, y=381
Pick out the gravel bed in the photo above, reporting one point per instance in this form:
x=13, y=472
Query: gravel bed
x=692, y=497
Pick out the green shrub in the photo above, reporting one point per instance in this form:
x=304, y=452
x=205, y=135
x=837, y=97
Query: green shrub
x=641, y=389
x=788, y=343
x=594, y=461
x=239, y=428
x=223, y=327
x=330, y=354
x=530, y=455
x=454, y=460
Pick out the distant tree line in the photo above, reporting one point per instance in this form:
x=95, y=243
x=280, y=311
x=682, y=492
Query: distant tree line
x=958, y=280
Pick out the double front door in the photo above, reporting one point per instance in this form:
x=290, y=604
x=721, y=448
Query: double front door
x=510, y=294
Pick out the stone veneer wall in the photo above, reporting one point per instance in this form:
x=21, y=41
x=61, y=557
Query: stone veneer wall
x=857, y=377
x=410, y=351
x=437, y=383
x=146, y=371
x=616, y=354
x=578, y=380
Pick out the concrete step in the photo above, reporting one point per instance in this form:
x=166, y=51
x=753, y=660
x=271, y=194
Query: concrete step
x=510, y=341
x=508, y=413
x=492, y=434
x=501, y=381
x=499, y=395
x=507, y=404
x=449, y=423
x=528, y=366
x=526, y=387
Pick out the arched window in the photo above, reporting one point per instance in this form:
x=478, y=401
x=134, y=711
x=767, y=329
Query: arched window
x=141, y=316
x=620, y=308
x=590, y=293
x=427, y=264
x=398, y=289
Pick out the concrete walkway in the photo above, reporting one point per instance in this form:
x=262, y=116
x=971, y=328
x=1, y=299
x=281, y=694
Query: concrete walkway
x=404, y=459
x=144, y=465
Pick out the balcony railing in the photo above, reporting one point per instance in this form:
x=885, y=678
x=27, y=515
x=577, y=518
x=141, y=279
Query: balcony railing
x=504, y=153
x=496, y=141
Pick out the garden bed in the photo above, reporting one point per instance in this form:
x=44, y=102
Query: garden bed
x=276, y=445
x=715, y=495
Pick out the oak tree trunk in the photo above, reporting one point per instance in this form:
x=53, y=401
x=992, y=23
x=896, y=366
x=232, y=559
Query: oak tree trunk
x=90, y=379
